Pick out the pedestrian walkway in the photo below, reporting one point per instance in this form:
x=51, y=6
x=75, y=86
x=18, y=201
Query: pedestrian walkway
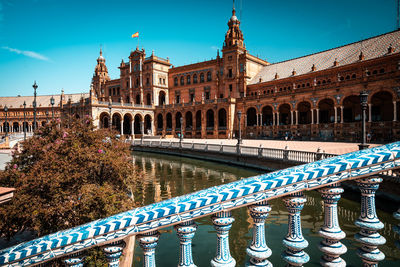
x=311, y=146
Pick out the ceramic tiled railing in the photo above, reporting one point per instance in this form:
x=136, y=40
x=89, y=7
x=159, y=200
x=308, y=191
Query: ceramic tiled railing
x=254, y=192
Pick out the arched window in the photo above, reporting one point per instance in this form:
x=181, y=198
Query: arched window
x=222, y=118
x=182, y=80
x=195, y=78
x=251, y=117
x=148, y=99
x=137, y=99
x=210, y=119
x=159, y=121
x=202, y=77
x=208, y=76
x=188, y=79
x=176, y=81
x=169, y=121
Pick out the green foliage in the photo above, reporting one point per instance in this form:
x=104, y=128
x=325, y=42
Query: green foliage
x=66, y=176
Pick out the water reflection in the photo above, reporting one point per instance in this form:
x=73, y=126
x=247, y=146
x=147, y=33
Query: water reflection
x=166, y=176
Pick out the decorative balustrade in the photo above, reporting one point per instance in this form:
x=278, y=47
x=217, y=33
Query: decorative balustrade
x=218, y=202
x=260, y=152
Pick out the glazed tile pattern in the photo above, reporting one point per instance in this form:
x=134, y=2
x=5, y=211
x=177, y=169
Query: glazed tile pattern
x=205, y=202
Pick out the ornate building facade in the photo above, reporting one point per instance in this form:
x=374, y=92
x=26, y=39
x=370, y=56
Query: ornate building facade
x=314, y=97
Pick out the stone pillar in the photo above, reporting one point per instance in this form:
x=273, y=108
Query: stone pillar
x=341, y=114
x=277, y=119
x=148, y=243
x=75, y=259
x=122, y=127
x=291, y=117
x=294, y=240
x=258, y=251
x=222, y=223
x=312, y=116
x=317, y=115
x=273, y=118
x=394, y=111
x=261, y=119
x=185, y=232
x=133, y=127
x=113, y=252
x=369, y=112
x=297, y=117
x=330, y=231
x=335, y=114
x=369, y=223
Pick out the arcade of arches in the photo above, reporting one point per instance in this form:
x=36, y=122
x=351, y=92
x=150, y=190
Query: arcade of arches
x=128, y=124
x=325, y=118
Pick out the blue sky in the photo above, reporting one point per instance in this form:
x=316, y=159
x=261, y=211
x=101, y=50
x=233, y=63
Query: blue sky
x=56, y=42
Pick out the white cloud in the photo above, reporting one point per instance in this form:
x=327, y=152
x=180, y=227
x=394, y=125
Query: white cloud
x=26, y=53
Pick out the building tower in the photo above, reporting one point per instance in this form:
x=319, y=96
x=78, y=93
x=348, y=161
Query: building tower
x=100, y=77
x=232, y=82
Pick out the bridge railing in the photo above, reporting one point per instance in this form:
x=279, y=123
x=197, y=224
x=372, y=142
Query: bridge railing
x=260, y=152
x=254, y=193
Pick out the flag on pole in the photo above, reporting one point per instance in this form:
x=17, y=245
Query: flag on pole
x=135, y=35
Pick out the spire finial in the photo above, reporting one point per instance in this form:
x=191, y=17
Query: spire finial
x=233, y=8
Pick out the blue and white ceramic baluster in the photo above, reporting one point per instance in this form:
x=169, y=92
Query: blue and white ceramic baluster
x=258, y=251
x=294, y=240
x=185, y=232
x=396, y=215
x=223, y=222
x=148, y=243
x=369, y=223
x=113, y=252
x=75, y=260
x=330, y=231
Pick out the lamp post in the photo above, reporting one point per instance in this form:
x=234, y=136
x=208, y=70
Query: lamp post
x=6, y=125
x=47, y=116
x=110, y=122
x=34, y=105
x=24, y=124
x=52, y=107
x=239, y=114
x=181, y=135
x=363, y=101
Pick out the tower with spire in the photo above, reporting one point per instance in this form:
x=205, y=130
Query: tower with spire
x=100, y=77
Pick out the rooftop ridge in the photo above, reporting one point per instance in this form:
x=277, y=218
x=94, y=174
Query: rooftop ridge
x=337, y=47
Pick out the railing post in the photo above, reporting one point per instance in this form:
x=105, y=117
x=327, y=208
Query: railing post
x=318, y=155
x=258, y=251
x=148, y=243
x=294, y=240
x=205, y=146
x=260, y=150
x=185, y=232
x=330, y=231
x=369, y=223
x=192, y=145
x=396, y=215
x=221, y=148
x=75, y=259
x=222, y=223
x=113, y=252
x=286, y=153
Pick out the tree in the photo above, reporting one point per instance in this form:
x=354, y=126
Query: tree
x=66, y=176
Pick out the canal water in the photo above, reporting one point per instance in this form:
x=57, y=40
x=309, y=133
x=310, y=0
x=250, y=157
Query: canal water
x=168, y=176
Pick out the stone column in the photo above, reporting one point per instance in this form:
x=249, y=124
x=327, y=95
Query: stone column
x=273, y=118
x=113, y=252
x=317, y=115
x=294, y=240
x=330, y=231
x=291, y=117
x=341, y=114
x=261, y=119
x=258, y=251
x=297, y=117
x=148, y=243
x=122, y=127
x=369, y=112
x=394, y=111
x=312, y=116
x=369, y=223
x=222, y=223
x=133, y=127
x=185, y=232
x=277, y=119
x=335, y=114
